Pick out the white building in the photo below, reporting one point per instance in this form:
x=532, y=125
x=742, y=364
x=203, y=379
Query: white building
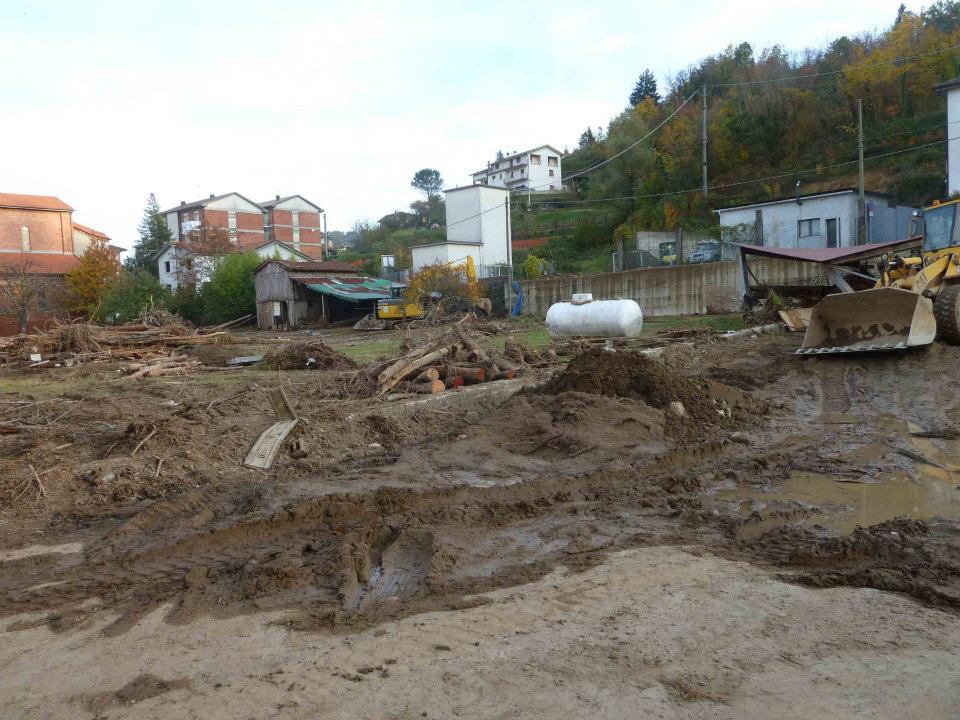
x=176, y=263
x=536, y=170
x=821, y=220
x=478, y=225
x=951, y=89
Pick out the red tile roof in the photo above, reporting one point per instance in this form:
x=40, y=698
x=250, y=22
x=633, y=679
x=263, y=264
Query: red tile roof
x=33, y=202
x=39, y=263
x=90, y=231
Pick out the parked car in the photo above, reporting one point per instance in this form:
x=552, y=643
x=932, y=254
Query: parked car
x=705, y=251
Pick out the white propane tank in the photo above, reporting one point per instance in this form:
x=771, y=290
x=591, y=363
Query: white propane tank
x=586, y=317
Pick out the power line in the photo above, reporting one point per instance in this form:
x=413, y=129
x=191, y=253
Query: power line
x=866, y=66
x=589, y=169
x=818, y=169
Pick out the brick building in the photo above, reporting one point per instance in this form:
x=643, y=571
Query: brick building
x=230, y=216
x=296, y=221
x=293, y=220
x=36, y=235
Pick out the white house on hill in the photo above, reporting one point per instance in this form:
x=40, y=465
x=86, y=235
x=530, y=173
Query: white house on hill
x=536, y=170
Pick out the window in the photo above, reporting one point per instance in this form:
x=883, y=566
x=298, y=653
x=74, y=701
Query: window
x=196, y=216
x=552, y=160
x=296, y=218
x=534, y=159
x=232, y=225
x=551, y=187
x=388, y=261
x=166, y=266
x=296, y=238
x=808, y=228
x=25, y=239
x=551, y=172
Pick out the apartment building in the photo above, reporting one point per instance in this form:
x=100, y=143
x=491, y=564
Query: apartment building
x=292, y=220
x=218, y=217
x=536, y=170
x=295, y=221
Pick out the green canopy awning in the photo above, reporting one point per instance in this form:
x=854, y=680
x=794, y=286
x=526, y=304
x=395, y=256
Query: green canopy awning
x=354, y=291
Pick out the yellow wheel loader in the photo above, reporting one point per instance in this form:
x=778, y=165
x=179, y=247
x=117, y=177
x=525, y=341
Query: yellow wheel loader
x=914, y=299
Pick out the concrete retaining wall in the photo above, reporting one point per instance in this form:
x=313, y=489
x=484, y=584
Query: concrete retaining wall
x=680, y=290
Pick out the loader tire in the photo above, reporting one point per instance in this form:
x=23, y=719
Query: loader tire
x=946, y=309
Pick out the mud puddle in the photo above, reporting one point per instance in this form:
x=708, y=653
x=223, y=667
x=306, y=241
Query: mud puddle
x=842, y=503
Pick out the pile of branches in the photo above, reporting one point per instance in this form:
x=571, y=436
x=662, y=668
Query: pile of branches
x=68, y=344
x=450, y=360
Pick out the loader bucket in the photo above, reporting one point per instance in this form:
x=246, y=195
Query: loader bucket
x=878, y=319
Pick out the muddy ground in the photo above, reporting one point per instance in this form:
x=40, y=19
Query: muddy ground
x=726, y=531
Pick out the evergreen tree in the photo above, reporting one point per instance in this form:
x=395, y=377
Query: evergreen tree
x=646, y=87
x=154, y=234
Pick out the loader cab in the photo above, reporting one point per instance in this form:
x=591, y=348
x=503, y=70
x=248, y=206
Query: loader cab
x=938, y=226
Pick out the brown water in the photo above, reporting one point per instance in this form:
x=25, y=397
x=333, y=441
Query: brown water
x=846, y=501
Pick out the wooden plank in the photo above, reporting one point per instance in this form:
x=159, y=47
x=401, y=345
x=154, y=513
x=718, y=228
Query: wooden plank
x=281, y=404
x=265, y=450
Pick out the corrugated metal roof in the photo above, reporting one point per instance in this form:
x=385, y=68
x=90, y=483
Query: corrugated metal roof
x=352, y=289
x=830, y=255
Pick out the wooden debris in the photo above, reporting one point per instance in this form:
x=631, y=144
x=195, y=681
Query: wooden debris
x=428, y=375
x=425, y=388
x=264, y=450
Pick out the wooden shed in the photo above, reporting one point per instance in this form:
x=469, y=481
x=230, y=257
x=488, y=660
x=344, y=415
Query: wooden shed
x=302, y=294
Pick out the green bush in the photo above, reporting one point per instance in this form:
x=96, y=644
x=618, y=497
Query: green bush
x=230, y=292
x=130, y=294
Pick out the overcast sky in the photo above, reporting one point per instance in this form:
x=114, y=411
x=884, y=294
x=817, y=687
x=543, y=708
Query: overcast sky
x=102, y=103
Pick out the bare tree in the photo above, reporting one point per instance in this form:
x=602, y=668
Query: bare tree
x=21, y=287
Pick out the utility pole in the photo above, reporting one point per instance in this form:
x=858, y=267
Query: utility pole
x=703, y=140
x=506, y=207
x=861, y=200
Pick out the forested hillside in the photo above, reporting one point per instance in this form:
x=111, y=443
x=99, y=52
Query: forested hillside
x=776, y=117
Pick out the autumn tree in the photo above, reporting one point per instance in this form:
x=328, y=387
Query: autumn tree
x=427, y=181
x=154, y=234
x=22, y=289
x=88, y=283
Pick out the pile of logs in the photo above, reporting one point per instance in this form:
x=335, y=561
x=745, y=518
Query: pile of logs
x=163, y=365
x=447, y=362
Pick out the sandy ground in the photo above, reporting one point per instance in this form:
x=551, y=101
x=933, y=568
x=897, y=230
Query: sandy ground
x=653, y=632
x=787, y=546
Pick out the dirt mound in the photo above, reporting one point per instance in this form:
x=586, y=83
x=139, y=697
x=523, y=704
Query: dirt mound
x=296, y=356
x=631, y=374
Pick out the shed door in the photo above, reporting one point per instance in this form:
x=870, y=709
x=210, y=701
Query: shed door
x=833, y=232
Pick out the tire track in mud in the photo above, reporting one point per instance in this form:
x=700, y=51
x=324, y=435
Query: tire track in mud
x=352, y=558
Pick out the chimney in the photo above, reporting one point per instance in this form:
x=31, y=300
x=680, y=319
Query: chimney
x=278, y=197
x=183, y=202
x=212, y=195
